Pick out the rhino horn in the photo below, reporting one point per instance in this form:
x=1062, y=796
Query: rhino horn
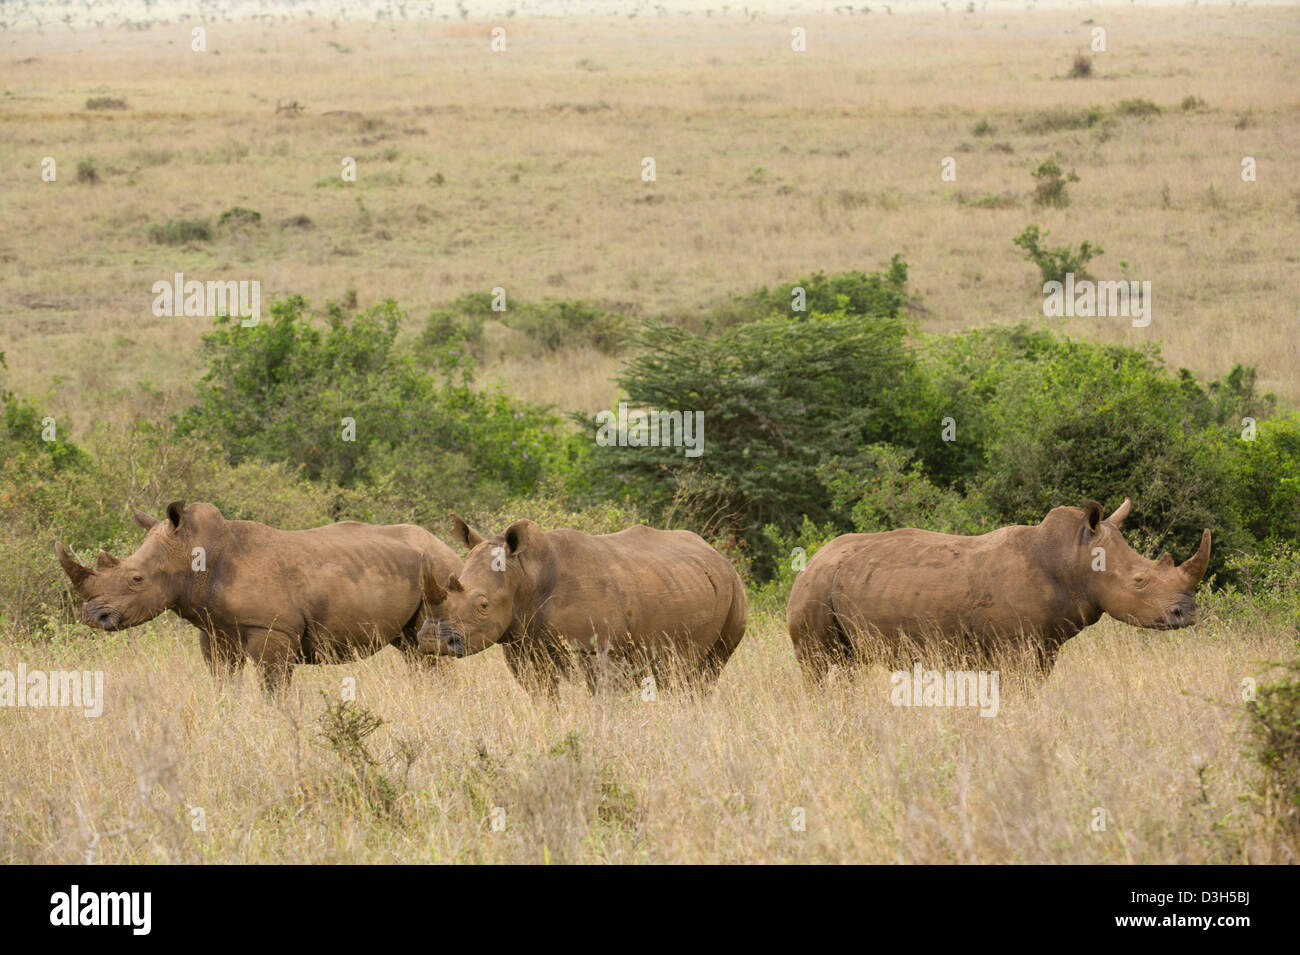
x=1194, y=567
x=143, y=519
x=76, y=573
x=1121, y=512
x=105, y=560
x=432, y=591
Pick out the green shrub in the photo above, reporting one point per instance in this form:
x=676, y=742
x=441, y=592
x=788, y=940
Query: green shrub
x=180, y=231
x=1274, y=717
x=1103, y=422
x=1049, y=184
x=1081, y=68
x=1266, y=475
x=281, y=391
x=555, y=325
x=87, y=171
x=1138, y=106
x=868, y=295
x=1059, y=119
x=237, y=217
x=779, y=399
x=1054, y=264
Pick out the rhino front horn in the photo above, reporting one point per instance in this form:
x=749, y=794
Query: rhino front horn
x=1194, y=567
x=1121, y=512
x=76, y=573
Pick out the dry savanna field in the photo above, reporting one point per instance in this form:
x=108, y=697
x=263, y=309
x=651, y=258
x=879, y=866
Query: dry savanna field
x=522, y=169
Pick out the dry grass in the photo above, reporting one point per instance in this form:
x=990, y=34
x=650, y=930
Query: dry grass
x=1146, y=726
x=770, y=165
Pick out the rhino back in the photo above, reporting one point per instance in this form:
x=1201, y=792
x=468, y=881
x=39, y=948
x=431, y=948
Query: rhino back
x=648, y=587
x=343, y=585
x=908, y=580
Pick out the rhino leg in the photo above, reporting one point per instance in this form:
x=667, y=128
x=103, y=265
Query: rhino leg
x=819, y=642
x=537, y=665
x=274, y=652
x=223, y=656
x=732, y=631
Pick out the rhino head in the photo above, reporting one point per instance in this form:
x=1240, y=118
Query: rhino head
x=467, y=614
x=1157, y=594
x=117, y=594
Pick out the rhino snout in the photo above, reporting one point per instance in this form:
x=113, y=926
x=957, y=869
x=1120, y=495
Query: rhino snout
x=1181, y=614
x=440, y=639
x=103, y=618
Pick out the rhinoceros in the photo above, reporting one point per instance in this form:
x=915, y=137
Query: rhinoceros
x=642, y=600
x=1042, y=583
x=277, y=597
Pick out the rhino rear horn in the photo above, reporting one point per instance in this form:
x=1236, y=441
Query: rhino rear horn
x=76, y=573
x=430, y=590
x=1121, y=512
x=143, y=519
x=1194, y=567
x=105, y=560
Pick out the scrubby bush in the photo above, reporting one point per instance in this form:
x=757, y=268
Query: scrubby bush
x=779, y=399
x=1050, y=182
x=346, y=403
x=555, y=325
x=180, y=231
x=1054, y=264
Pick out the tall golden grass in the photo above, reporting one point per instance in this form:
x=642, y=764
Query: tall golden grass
x=1147, y=728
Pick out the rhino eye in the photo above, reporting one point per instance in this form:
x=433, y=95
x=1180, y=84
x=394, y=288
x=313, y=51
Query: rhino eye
x=137, y=579
x=482, y=605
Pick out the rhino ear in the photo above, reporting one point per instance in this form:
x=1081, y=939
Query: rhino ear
x=105, y=560
x=76, y=573
x=143, y=519
x=175, y=511
x=1093, y=513
x=520, y=534
x=430, y=590
x=1121, y=512
x=464, y=533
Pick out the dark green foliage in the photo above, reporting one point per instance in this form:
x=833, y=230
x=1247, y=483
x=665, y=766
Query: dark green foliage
x=779, y=398
x=1050, y=182
x=280, y=391
x=1053, y=264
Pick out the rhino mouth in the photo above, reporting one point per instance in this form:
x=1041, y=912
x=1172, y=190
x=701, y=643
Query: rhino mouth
x=103, y=618
x=1176, y=618
x=441, y=640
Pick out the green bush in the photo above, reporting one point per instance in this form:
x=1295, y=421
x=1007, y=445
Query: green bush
x=237, y=216
x=779, y=399
x=1053, y=264
x=1103, y=422
x=1050, y=182
x=281, y=391
x=1275, y=728
x=1266, y=475
x=180, y=231
x=555, y=325
x=1138, y=106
